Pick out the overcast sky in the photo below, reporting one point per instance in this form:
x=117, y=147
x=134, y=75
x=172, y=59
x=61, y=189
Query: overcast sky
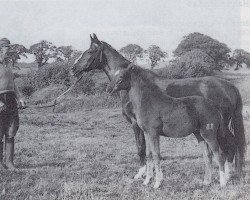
x=119, y=22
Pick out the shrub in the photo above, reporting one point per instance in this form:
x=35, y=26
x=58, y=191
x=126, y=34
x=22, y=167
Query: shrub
x=27, y=90
x=54, y=73
x=57, y=73
x=85, y=86
x=194, y=63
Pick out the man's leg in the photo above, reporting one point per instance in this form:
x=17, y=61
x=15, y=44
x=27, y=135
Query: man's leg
x=1, y=155
x=2, y=133
x=10, y=141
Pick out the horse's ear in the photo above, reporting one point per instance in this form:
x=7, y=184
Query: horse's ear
x=95, y=37
x=96, y=40
x=91, y=38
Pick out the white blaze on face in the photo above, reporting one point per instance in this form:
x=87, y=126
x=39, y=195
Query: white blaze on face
x=78, y=59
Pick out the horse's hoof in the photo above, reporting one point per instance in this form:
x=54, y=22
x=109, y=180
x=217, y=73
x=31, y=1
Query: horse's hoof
x=2, y=166
x=11, y=167
x=146, y=182
x=157, y=185
x=228, y=177
x=207, y=182
x=137, y=177
x=223, y=183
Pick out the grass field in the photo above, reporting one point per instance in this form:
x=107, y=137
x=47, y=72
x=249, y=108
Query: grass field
x=91, y=154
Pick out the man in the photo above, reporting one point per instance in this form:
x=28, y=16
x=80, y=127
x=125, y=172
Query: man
x=10, y=97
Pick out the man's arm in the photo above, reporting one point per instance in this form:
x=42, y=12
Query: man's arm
x=19, y=96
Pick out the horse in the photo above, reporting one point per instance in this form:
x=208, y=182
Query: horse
x=222, y=93
x=158, y=114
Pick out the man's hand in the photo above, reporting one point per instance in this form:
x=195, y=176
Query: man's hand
x=22, y=104
x=2, y=106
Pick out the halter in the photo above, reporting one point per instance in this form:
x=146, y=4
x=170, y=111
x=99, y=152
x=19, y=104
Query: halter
x=97, y=58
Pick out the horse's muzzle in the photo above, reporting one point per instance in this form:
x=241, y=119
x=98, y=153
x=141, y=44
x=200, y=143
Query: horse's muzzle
x=111, y=90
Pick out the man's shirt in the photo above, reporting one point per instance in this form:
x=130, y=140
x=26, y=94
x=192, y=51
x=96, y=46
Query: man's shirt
x=6, y=79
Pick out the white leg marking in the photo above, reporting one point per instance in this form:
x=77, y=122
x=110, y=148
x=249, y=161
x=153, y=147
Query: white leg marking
x=141, y=172
x=228, y=169
x=149, y=173
x=159, y=178
x=223, y=181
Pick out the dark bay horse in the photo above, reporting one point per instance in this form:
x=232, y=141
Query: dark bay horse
x=222, y=93
x=159, y=114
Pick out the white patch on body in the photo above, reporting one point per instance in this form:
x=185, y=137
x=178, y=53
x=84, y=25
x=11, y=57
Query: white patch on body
x=117, y=72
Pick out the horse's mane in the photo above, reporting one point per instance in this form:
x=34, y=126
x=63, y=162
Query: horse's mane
x=146, y=73
x=126, y=62
x=148, y=79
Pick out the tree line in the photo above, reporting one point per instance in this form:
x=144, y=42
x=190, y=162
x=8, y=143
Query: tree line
x=196, y=50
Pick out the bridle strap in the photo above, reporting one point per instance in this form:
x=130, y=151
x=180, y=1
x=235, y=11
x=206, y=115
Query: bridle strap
x=96, y=59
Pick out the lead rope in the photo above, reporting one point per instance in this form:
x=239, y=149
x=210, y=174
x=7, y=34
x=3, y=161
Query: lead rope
x=58, y=99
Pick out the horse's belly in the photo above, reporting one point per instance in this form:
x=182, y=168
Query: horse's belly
x=177, y=130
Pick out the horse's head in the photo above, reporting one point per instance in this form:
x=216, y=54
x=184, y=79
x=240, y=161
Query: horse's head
x=121, y=80
x=92, y=58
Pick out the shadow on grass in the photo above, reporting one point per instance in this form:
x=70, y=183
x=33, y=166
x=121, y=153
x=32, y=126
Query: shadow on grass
x=46, y=164
x=180, y=157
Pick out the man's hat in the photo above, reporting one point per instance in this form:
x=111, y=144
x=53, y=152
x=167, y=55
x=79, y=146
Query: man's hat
x=4, y=42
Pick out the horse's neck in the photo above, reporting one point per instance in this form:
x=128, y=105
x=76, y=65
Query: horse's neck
x=160, y=81
x=114, y=62
x=143, y=86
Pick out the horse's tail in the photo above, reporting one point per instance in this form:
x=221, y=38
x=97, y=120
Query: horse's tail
x=239, y=133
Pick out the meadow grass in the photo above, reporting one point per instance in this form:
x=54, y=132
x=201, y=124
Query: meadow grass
x=92, y=155
x=87, y=151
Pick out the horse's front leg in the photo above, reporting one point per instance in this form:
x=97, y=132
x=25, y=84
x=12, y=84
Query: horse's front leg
x=128, y=112
x=155, y=148
x=141, y=147
x=140, y=143
x=149, y=162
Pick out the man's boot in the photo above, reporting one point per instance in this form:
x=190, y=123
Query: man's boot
x=2, y=166
x=9, y=148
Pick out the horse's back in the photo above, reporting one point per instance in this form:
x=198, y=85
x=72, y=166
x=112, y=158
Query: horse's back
x=220, y=91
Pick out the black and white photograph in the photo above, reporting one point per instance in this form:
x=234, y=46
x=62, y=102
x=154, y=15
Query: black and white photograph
x=124, y=99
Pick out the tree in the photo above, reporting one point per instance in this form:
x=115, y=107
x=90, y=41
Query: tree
x=194, y=63
x=43, y=51
x=66, y=52
x=17, y=50
x=131, y=52
x=216, y=50
x=240, y=56
x=155, y=54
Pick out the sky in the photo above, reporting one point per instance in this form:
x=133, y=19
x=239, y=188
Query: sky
x=120, y=22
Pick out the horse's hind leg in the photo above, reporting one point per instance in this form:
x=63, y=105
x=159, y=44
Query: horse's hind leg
x=207, y=156
x=211, y=139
